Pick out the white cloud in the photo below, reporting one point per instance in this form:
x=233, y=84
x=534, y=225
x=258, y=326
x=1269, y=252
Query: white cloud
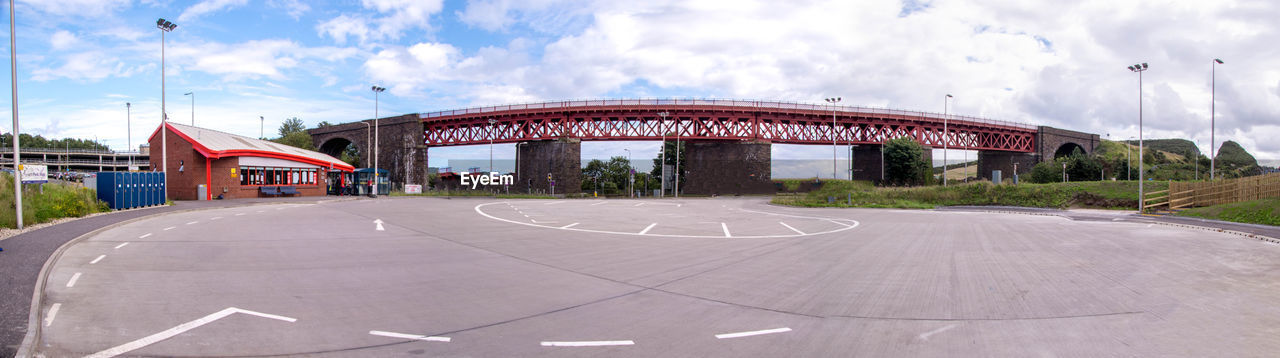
x=252, y=59
x=81, y=8
x=62, y=40
x=398, y=16
x=293, y=8
x=89, y=66
x=208, y=6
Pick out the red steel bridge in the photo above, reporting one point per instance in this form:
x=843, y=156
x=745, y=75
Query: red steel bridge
x=716, y=119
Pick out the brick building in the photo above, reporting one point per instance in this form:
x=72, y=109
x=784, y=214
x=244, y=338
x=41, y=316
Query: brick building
x=236, y=166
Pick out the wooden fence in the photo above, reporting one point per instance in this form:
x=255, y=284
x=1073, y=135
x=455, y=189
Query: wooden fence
x=1182, y=195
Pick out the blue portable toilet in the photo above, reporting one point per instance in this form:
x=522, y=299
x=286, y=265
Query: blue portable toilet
x=107, y=190
x=153, y=187
x=162, y=196
x=130, y=191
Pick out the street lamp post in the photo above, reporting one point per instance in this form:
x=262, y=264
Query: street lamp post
x=631, y=190
x=835, y=174
x=663, y=161
x=945, y=131
x=193, y=107
x=376, y=91
x=13, y=76
x=1139, y=68
x=1213, y=98
x=677, y=183
x=128, y=118
x=1128, y=158
x=164, y=26
x=262, y=121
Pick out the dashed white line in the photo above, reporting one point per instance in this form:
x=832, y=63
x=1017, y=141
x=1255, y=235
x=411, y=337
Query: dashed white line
x=144, y=236
x=410, y=336
x=279, y=208
x=215, y=218
x=74, y=278
x=587, y=343
x=639, y=204
x=240, y=214
x=179, y=329
x=53, y=312
x=100, y=257
x=170, y=228
x=1150, y=225
x=262, y=211
x=925, y=336
x=541, y=222
x=553, y=203
x=602, y=202
x=753, y=333
x=647, y=228
x=122, y=245
x=192, y=223
x=726, y=229
x=840, y=223
x=792, y=229
x=525, y=215
x=569, y=226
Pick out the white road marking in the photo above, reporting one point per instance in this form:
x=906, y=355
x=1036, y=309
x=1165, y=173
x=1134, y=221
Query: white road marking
x=726, y=229
x=1116, y=219
x=170, y=228
x=839, y=223
x=74, y=278
x=647, y=228
x=925, y=335
x=587, y=343
x=262, y=211
x=525, y=215
x=100, y=257
x=410, y=336
x=123, y=245
x=279, y=208
x=215, y=218
x=602, y=202
x=553, y=203
x=569, y=226
x=639, y=204
x=144, y=236
x=541, y=222
x=792, y=229
x=478, y=210
x=179, y=329
x=1150, y=225
x=378, y=222
x=240, y=214
x=53, y=312
x=753, y=333
x=193, y=222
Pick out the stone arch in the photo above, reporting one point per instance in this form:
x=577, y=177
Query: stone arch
x=336, y=145
x=1067, y=148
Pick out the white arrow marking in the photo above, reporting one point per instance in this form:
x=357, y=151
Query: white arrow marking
x=169, y=333
x=379, y=223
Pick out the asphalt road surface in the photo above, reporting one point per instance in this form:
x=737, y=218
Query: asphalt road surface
x=699, y=277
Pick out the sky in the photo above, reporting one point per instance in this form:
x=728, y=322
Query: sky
x=1056, y=63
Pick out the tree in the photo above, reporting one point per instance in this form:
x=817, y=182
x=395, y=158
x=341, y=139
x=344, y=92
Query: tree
x=611, y=176
x=294, y=133
x=323, y=124
x=670, y=148
x=904, y=162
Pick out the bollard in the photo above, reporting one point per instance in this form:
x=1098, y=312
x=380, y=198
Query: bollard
x=850, y=198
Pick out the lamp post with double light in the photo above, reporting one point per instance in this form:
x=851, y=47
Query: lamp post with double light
x=663, y=161
x=1213, y=93
x=835, y=173
x=376, y=91
x=1139, y=68
x=165, y=26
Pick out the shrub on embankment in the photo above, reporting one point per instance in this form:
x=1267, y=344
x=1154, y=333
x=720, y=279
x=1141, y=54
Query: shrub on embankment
x=57, y=201
x=1110, y=195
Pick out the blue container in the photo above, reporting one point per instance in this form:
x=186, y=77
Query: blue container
x=110, y=189
x=155, y=194
x=131, y=193
x=162, y=196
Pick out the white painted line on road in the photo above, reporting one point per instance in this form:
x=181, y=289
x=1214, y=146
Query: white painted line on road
x=179, y=329
x=123, y=245
x=569, y=226
x=647, y=228
x=410, y=336
x=639, y=204
x=587, y=343
x=100, y=257
x=726, y=229
x=553, y=203
x=192, y=223
x=525, y=215
x=240, y=214
x=53, y=313
x=479, y=210
x=925, y=336
x=792, y=229
x=170, y=228
x=602, y=202
x=840, y=223
x=753, y=333
x=215, y=218
x=541, y=222
x=74, y=278
x=262, y=211
x=1150, y=225
x=144, y=236
x=378, y=222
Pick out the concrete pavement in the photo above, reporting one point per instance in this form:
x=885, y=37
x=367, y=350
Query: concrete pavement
x=700, y=277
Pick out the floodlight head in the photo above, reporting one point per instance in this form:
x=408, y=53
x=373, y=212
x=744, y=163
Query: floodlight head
x=1144, y=65
x=1130, y=68
x=949, y=95
x=838, y=99
x=1217, y=60
x=187, y=94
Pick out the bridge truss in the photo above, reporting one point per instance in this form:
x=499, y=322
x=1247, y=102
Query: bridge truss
x=776, y=122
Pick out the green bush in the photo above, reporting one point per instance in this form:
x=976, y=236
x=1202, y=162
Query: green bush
x=1118, y=195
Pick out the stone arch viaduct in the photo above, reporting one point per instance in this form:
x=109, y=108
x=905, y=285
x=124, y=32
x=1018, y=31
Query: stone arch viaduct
x=728, y=140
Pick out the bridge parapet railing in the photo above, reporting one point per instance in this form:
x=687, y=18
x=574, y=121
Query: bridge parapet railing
x=721, y=102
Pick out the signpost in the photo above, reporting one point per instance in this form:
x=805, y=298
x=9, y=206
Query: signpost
x=34, y=173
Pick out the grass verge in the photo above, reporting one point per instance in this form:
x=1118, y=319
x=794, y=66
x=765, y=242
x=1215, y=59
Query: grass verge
x=1262, y=211
x=475, y=193
x=1108, y=195
x=57, y=201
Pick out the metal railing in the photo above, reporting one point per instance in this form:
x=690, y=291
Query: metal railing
x=721, y=103
x=72, y=151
